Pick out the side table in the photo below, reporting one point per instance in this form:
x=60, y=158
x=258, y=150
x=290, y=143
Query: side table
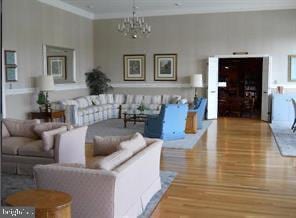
x=49, y=116
x=47, y=203
x=191, y=123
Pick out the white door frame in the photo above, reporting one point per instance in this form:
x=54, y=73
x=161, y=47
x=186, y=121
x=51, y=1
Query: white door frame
x=253, y=56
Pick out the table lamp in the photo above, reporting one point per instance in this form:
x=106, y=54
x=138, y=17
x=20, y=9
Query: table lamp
x=196, y=82
x=45, y=83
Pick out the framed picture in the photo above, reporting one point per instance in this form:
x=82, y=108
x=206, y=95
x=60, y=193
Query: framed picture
x=292, y=67
x=57, y=67
x=134, y=67
x=11, y=73
x=10, y=57
x=165, y=67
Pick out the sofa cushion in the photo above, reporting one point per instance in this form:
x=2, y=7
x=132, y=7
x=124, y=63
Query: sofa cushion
x=91, y=100
x=154, y=107
x=102, y=98
x=98, y=108
x=156, y=99
x=175, y=99
x=69, y=102
x=35, y=149
x=22, y=128
x=119, y=98
x=113, y=160
x=40, y=128
x=107, y=145
x=5, y=132
x=96, y=102
x=129, y=99
x=11, y=145
x=48, y=137
x=82, y=102
x=138, y=99
x=110, y=99
x=147, y=100
x=134, y=144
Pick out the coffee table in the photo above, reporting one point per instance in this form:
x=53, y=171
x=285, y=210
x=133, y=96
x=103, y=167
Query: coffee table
x=136, y=116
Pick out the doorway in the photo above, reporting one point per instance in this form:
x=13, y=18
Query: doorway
x=240, y=87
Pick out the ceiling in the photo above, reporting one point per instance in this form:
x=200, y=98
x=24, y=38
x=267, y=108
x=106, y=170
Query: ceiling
x=103, y=9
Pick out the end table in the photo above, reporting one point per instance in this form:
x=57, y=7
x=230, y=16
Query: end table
x=47, y=203
x=191, y=123
x=49, y=116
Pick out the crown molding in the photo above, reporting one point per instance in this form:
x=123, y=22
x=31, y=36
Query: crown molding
x=70, y=8
x=179, y=11
x=190, y=11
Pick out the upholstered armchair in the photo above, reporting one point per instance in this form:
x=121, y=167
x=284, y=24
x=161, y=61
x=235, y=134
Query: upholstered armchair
x=200, y=108
x=169, y=124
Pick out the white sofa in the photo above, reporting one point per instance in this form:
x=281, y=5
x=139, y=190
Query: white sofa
x=94, y=108
x=121, y=192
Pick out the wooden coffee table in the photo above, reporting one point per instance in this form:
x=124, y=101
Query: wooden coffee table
x=47, y=203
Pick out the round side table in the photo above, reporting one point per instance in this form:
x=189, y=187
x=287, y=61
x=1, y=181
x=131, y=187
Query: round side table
x=47, y=203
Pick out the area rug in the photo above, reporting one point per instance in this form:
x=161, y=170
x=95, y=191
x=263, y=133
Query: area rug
x=115, y=127
x=15, y=183
x=285, y=138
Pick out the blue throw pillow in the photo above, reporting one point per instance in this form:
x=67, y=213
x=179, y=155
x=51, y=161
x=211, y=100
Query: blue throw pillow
x=197, y=103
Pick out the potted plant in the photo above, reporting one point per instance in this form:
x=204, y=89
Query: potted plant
x=97, y=82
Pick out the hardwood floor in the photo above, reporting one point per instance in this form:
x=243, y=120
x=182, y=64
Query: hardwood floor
x=235, y=170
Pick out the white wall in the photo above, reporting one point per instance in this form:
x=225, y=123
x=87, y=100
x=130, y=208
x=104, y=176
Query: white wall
x=27, y=26
x=196, y=37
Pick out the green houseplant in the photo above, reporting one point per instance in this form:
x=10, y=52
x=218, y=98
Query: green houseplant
x=97, y=82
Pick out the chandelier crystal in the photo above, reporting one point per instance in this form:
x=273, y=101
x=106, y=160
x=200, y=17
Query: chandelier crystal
x=134, y=27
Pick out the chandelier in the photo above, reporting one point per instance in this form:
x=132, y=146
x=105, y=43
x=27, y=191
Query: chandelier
x=134, y=27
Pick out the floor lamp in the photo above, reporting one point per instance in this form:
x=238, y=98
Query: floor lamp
x=196, y=82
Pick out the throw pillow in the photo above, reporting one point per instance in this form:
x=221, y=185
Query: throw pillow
x=135, y=144
x=197, y=103
x=113, y=160
x=40, y=128
x=174, y=100
x=183, y=101
x=49, y=136
x=107, y=145
x=5, y=132
x=22, y=128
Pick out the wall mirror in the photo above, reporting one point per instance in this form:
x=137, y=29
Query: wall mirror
x=60, y=63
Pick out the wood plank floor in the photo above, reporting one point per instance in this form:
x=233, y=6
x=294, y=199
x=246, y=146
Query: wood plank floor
x=235, y=170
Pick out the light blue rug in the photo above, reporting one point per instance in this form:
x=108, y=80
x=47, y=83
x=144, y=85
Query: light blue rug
x=284, y=137
x=16, y=183
x=114, y=127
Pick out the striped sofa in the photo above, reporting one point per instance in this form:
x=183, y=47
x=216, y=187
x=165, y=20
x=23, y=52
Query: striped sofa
x=91, y=109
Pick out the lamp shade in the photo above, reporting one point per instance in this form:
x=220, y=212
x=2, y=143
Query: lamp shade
x=45, y=83
x=196, y=80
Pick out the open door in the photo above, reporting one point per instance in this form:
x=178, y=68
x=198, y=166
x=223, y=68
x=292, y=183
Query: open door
x=266, y=70
x=213, y=68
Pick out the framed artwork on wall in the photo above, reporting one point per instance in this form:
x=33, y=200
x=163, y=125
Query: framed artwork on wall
x=57, y=67
x=134, y=67
x=10, y=57
x=11, y=73
x=165, y=67
x=292, y=67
